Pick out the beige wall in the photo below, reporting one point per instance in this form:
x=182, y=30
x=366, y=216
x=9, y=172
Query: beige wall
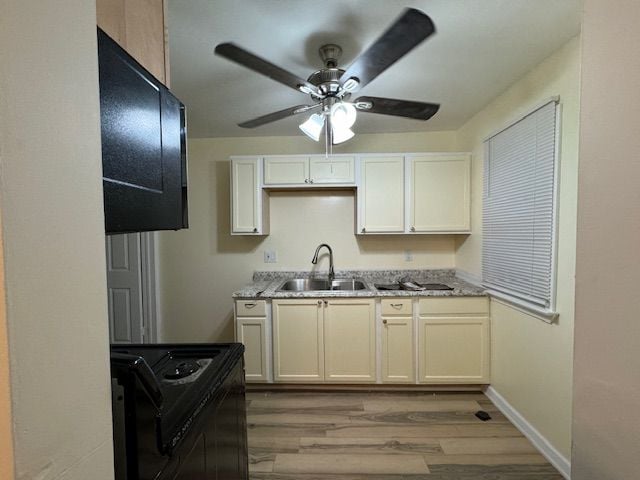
x=606, y=424
x=201, y=267
x=6, y=440
x=531, y=359
x=51, y=200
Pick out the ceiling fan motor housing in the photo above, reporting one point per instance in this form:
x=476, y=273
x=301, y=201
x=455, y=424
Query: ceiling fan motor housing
x=327, y=80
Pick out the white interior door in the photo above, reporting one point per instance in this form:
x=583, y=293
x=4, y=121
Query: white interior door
x=124, y=287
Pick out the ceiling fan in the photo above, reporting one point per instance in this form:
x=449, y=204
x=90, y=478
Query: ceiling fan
x=331, y=87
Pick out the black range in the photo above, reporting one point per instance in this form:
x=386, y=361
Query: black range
x=179, y=408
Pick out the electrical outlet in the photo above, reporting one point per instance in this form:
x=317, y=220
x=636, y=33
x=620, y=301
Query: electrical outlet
x=408, y=256
x=270, y=256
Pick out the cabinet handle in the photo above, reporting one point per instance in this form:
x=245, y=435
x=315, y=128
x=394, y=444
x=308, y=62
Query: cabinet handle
x=384, y=321
x=311, y=180
x=255, y=230
x=396, y=305
x=319, y=303
x=363, y=230
x=413, y=229
x=249, y=305
x=306, y=180
x=326, y=303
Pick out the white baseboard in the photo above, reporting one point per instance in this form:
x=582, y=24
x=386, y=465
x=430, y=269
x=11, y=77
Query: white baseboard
x=539, y=441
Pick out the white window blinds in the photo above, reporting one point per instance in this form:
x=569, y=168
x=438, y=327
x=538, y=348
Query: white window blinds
x=518, y=208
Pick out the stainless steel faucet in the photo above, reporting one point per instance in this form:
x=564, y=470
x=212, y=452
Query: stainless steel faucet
x=314, y=260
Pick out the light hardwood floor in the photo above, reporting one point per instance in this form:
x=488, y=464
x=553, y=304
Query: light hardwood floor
x=385, y=436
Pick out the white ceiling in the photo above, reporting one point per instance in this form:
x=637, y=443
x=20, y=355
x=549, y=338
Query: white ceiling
x=479, y=49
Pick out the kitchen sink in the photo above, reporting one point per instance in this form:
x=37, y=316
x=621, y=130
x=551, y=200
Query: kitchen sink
x=316, y=284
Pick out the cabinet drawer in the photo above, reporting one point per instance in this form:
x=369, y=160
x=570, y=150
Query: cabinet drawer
x=251, y=308
x=453, y=305
x=396, y=306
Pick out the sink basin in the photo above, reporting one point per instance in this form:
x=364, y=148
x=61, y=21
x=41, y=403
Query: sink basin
x=316, y=284
x=348, y=284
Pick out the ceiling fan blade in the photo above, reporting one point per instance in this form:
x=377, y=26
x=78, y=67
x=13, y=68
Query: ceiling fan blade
x=411, y=28
x=247, y=59
x=399, y=108
x=279, y=115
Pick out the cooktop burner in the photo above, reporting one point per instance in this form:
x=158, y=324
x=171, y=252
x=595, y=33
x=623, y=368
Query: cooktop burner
x=425, y=286
x=181, y=370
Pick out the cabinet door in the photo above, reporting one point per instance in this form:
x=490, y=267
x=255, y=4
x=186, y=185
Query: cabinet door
x=381, y=195
x=454, y=350
x=298, y=350
x=397, y=350
x=286, y=170
x=139, y=28
x=332, y=170
x=251, y=333
x=245, y=196
x=350, y=340
x=439, y=193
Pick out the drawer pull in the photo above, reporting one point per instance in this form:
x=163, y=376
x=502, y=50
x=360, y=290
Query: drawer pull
x=249, y=305
x=397, y=305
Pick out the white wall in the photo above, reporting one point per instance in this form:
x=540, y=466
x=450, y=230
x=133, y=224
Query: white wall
x=202, y=266
x=531, y=360
x=53, y=235
x=606, y=423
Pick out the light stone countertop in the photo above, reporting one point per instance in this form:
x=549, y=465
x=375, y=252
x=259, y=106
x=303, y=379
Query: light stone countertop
x=265, y=284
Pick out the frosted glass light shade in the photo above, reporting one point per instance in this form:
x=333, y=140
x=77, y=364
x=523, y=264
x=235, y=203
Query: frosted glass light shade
x=341, y=134
x=312, y=128
x=343, y=115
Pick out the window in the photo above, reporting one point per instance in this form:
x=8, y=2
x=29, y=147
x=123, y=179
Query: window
x=519, y=210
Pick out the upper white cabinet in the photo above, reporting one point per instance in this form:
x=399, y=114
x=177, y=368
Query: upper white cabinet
x=439, y=193
x=332, y=170
x=248, y=208
x=308, y=170
x=381, y=195
x=413, y=194
x=286, y=170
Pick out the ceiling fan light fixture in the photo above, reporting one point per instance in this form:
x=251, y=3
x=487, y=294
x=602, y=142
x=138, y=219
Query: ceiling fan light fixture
x=305, y=89
x=343, y=115
x=341, y=135
x=351, y=84
x=312, y=128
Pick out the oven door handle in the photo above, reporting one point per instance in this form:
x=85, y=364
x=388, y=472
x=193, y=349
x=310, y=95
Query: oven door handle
x=133, y=364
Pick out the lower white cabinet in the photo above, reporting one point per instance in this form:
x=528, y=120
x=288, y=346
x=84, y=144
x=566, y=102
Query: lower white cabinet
x=333, y=340
x=397, y=341
x=251, y=331
x=298, y=346
x=349, y=340
x=454, y=344
x=330, y=340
